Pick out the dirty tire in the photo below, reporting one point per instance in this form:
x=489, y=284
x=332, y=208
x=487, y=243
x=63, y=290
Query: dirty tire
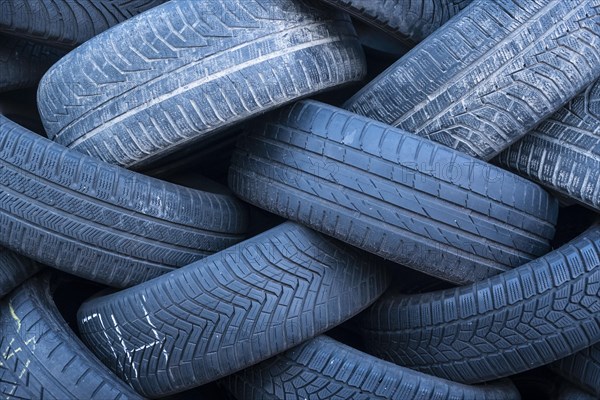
x=409, y=21
x=490, y=74
x=323, y=368
x=522, y=319
x=66, y=23
x=582, y=368
x=22, y=63
x=14, y=270
x=42, y=358
x=99, y=221
x=397, y=195
x=201, y=75
x=230, y=310
x=563, y=152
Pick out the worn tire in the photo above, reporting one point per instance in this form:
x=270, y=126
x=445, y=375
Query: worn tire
x=66, y=23
x=563, y=152
x=23, y=63
x=582, y=368
x=323, y=368
x=99, y=221
x=41, y=358
x=394, y=194
x=139, y=102
x=231, y=310
x=409, y=21
x=14, y=270
x=525, y=318
x=490, y=74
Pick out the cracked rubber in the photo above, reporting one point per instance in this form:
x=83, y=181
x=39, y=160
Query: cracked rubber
x=186, y=70
x=519, y=320
x=14, y=270
x=66, y=23
x=323, y=368
x=397, y=195
x=41, y=358
x=23, y=63
x=231, y=310
x=409, y=21
x=102, y=222
x=563, y=152
x=489, y=75
x=582, y=368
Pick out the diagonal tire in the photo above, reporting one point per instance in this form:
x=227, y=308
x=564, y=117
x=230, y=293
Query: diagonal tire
x=394, y=194
x=522, y=319
x=102, y=222
x=489, y=75
x=231, y=310
x=184, y=71
x=41, y=358
x=323, y=368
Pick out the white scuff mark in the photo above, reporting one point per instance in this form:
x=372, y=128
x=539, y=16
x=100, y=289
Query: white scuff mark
x=24, y=369
x=13, y=353
x=5, y=353
x=108, y=341
x=14, y=316
x=155, y=331
x=127, y=352
x=89, y=317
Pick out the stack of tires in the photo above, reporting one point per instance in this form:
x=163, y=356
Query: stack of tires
x=300, y=199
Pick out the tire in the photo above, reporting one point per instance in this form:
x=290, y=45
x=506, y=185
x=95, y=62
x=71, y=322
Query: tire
x=323, y=368
x=522, y=319
x=23, y=63
x=582, y=368
x=146, y=101
x=14, y=270
x=409, y=21
x=42, y=358
x=563, y=152
x=489, y=75
x=66, y=23
x=568, y=392
x=391, y=193
x=102, y=222
x=230, y=310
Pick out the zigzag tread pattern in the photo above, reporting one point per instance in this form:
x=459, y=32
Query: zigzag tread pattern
x=490, y=75
x=190, y=70
x=527, y=317
x=323, y=368
x=230, y=310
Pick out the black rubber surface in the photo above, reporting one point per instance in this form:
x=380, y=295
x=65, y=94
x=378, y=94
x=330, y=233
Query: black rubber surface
x=519, y=320
x=323, y=368
x=582, y=368
x=22, y=63
x=41, y=358
x=102, y=222
x=14, y=270
x=397, y=195
x=188, y=69
x=409, y=21
x=490, y=74
x=231, y=310
x=563, y=152
x=66, y=23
